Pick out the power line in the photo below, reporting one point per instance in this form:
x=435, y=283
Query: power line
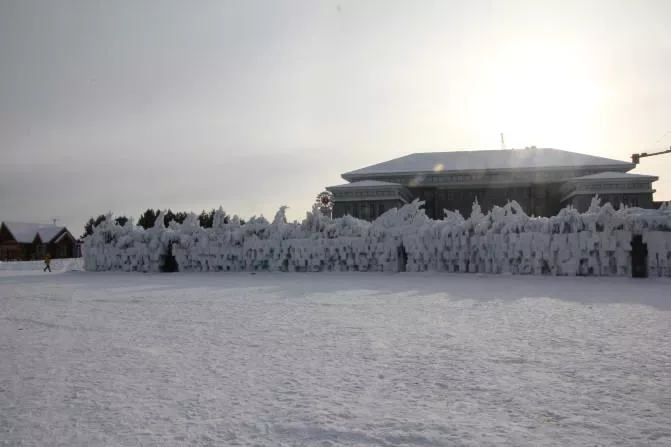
x=667, y=133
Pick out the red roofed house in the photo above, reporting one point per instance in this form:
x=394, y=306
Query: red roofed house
x=21, y=241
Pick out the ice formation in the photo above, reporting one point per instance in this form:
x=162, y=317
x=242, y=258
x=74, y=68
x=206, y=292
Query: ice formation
x=504, y=240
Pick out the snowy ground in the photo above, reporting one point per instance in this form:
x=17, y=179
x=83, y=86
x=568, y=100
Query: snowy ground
x=333, y=359
x=16, y=268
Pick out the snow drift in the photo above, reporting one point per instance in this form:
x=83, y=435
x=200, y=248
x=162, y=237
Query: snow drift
x=504, y=240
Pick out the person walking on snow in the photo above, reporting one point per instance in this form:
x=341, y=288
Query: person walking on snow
x=47, y=262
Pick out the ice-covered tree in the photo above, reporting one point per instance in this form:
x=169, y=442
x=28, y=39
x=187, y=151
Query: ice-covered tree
x=219, y=219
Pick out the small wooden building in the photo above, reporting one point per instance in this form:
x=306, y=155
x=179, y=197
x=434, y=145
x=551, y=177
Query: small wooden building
x=23, y=241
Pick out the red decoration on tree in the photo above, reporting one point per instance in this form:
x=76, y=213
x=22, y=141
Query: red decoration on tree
x=325, y=203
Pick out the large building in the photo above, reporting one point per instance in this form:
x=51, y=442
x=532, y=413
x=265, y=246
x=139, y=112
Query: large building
x=541, y=180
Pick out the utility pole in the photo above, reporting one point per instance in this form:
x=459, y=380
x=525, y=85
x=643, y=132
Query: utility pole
x=503, y=143
x=636, y=158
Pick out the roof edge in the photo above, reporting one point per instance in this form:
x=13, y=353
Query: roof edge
x=591, y=178
x=61, y=234
x=592, y=193
x=2, y=225
x=353, y=176
x=353, y=186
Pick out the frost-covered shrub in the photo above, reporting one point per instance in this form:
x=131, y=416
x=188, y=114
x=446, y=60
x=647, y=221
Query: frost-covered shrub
x=504, y=240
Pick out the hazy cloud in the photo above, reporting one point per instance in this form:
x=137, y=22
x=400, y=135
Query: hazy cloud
x=123, y=105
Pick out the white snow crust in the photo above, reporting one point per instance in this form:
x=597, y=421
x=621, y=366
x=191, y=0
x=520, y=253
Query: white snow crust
x=333, y=360
x=505, y=240
x=532, y=158
x=25, y=232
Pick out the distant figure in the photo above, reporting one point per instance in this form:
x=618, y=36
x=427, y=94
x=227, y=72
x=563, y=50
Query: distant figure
x=47, y=262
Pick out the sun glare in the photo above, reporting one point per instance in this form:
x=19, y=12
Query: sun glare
x=541, y=96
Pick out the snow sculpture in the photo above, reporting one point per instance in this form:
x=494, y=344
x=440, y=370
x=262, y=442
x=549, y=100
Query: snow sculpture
x=503, y=240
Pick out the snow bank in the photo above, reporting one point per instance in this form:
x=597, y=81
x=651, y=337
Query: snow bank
x=505, y=240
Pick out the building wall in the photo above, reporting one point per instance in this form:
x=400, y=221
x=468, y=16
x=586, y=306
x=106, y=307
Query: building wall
x=9, y=249
x=539, y=200
x=63, y=249
x=364, y=209
x=642, y=200
x=12, y=251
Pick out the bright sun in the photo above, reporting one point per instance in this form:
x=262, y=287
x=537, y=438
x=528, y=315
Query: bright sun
x=541, y=96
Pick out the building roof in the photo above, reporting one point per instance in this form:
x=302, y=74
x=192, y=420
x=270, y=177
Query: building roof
x=364, y=184
x=614, y=176
x=47, y=234
x=25, y=232
x=531, y=158
x=62, y=236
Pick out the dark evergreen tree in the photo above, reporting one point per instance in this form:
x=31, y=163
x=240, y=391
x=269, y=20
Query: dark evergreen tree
x=168, y=217
x=148, y=218
x=180, y=217
x=92, y=223
x=227, y=218
x=171, y=216
x=206, y=218
x=121, y=220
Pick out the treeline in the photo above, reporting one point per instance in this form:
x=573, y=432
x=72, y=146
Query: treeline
x=148, y=219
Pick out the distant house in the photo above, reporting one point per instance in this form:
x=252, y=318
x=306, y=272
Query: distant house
x=541, y=180
x=22, y=241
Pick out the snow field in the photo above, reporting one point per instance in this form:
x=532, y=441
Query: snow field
x=505, y=240
x=29, y=267
x=333, y=360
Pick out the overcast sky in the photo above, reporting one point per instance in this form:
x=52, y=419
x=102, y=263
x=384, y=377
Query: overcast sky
x=191, y=104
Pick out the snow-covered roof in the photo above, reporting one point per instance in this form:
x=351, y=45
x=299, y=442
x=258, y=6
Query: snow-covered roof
x=63, y=235
x=364, y=184
x=47, y=234
x=25, y=232
x=531, y=158
x=615, y=176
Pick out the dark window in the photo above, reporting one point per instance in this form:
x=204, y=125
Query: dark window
x=364, y=210
x=373, y=210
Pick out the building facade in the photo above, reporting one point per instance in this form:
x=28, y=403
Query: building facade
x=21, y=241
x=542, y=181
